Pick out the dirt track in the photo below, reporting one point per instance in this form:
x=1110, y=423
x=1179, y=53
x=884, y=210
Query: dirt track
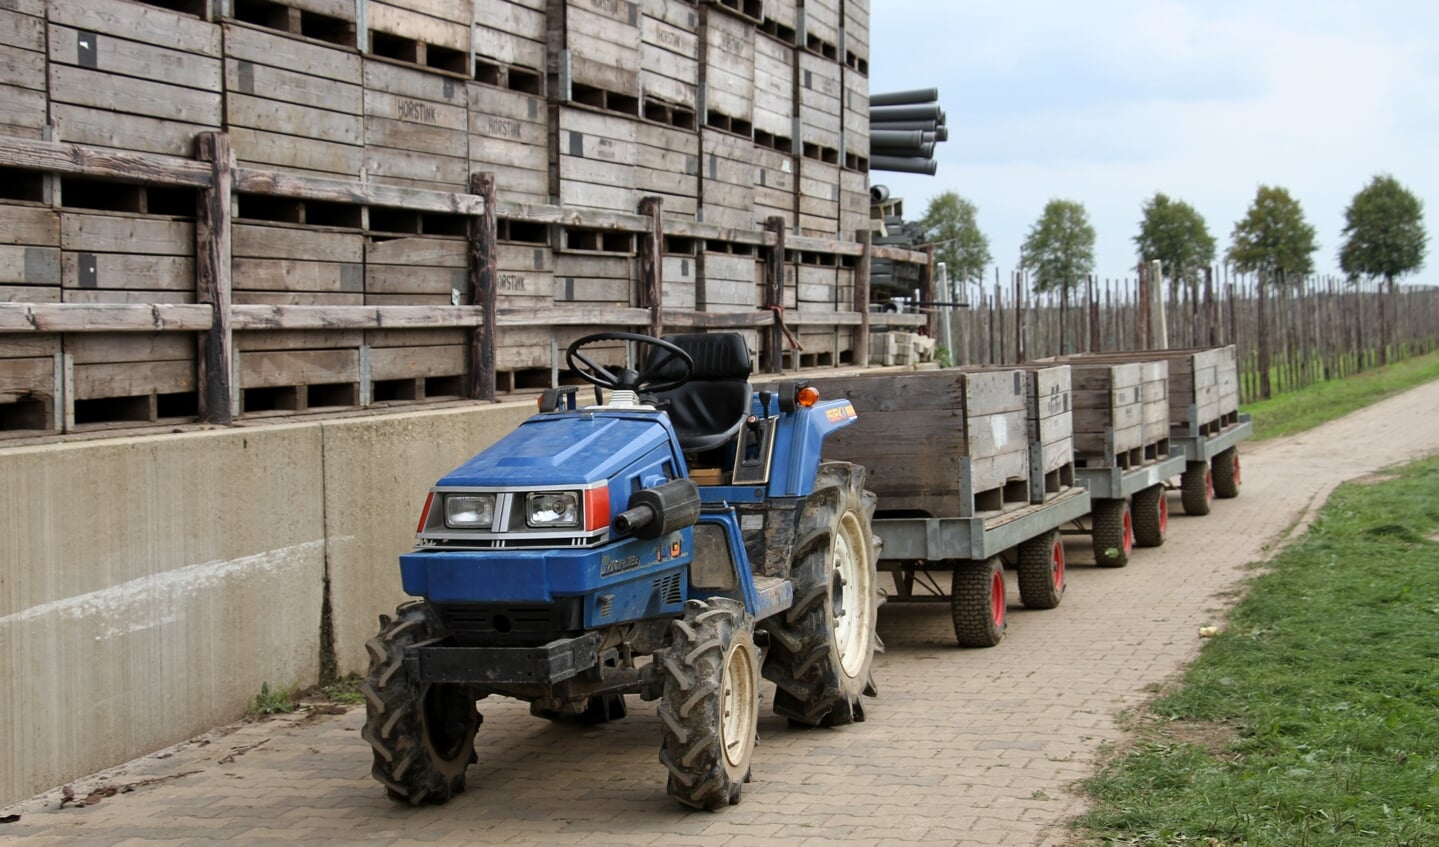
x=962, y=747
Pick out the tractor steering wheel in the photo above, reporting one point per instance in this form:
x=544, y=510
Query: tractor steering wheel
x=628, y=379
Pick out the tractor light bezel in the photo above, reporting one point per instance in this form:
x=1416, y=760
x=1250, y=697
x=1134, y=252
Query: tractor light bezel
x=483, y=503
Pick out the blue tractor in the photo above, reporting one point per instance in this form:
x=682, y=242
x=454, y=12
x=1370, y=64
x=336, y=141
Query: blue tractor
x=676, y=542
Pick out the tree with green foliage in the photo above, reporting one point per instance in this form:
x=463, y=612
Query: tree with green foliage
x=1384, y=239
x=1274, y=241
x=951, y=225
x=1172, y=232
x=1059, y=249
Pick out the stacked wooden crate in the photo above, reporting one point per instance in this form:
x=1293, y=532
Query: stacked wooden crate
x=509, y=42
x=820, y=27
x=944, y=443
x=431, y=33
x=1049, y=417
x=293, y=103
x=30, y=368
x=1202, y=387
x=416, y=126
x=509, y=137
x=596, y=45
x=22, y=69
x=427, y=268
x=597, y=155
x=731, y=281
x=669, y=58
x=1121, y=411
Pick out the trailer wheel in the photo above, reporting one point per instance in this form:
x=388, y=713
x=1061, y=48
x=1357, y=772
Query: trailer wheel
x=1041, y=571
x=709, y=709
x=822, y=647
x=977, y=602
x=1196, y=488
x=423, y=735
x=1151, y=516
x=1226, y=474
x=1112, y=533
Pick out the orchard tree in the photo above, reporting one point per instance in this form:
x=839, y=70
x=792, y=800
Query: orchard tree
x=951, y=225
x=1060, y=250
x=1172, y=232
x=1274, y=241
x=1384, y=239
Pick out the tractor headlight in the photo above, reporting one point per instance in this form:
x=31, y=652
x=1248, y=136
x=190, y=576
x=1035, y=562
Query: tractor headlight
x=547, y=509
x=469, y=511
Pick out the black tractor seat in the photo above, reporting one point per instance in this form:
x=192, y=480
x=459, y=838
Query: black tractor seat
x=710, y=408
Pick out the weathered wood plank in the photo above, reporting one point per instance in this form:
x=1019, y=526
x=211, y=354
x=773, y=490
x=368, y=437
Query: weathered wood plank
x=104, y=164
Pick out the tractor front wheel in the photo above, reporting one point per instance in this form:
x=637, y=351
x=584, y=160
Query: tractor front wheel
x=709, y=709
x=822, y=647
x=423, y=735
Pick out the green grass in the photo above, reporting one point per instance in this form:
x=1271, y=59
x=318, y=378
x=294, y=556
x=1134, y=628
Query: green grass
x=273, y=701
x=1313, y=717
x=1306, y=408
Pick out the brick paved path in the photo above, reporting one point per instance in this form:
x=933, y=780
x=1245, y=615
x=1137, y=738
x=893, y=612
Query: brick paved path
x=963, y=747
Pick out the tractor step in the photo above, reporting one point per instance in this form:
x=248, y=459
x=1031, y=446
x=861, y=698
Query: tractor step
x=773, y=594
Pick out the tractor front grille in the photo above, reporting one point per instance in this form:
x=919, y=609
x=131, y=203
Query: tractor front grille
x=491, y=624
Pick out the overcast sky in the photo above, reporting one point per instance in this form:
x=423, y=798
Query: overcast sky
x=1108, y=101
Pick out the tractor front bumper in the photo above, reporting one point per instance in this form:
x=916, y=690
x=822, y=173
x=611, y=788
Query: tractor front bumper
x=557, y=661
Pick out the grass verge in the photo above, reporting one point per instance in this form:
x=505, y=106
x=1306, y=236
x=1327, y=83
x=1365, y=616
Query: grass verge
x=1313, y=717
x=1306, y=408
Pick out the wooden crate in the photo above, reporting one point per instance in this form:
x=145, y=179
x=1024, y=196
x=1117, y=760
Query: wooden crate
x=22, y=69
x=853, y=203
x=294, y=264
x=1121, y=412
x=730, y=280
x=294, y=104
x=727, y=71
x=509, y=136
x=599, y=42
x=821, y=99
x=113, y=257
x=416, y=127
x=29, y=258
x=819, y=192
x=668, y=166
x=855, y=39
x=854, y=141
x=775, y=183
x=781, y=20
x=526, y=277
x=597, y=155
x=1050, y=421
x=511, y=33
x=940, y=443
x=1203, y=387
x=30, y=386
x=774, y=111
x=727, y=186
x=133, y=76
x=680, y=271
x=432, y=33
x=594, y=278
x=819, y=27
x=416, y=270
x=298, y=380
x=333, y=21
x=669, y=51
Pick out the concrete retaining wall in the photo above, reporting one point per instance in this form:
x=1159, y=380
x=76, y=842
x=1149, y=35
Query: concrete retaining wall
x=149, y=585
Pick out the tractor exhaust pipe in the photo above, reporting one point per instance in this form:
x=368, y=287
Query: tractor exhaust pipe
x=661, y=510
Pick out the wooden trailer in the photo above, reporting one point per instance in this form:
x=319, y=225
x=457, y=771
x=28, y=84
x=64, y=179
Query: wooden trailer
x=1122, y=453
x=973, y=472
x=1205, y=424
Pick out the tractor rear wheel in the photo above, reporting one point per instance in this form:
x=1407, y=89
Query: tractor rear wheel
x=1196, y=488
x=423, y=734
x=1041, y=571
x=709, y=708
x=822, y=647
x=1112, y=533
x=977, y=603
x=1151, y=516
x=1226, y=473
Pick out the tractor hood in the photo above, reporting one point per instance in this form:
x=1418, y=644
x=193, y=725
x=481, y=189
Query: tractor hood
x=568, y=448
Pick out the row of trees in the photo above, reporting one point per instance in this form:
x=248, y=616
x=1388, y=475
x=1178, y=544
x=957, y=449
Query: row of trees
x=1383, y=239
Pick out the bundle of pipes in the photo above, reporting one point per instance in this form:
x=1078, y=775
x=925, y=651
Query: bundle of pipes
x=904, y=126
